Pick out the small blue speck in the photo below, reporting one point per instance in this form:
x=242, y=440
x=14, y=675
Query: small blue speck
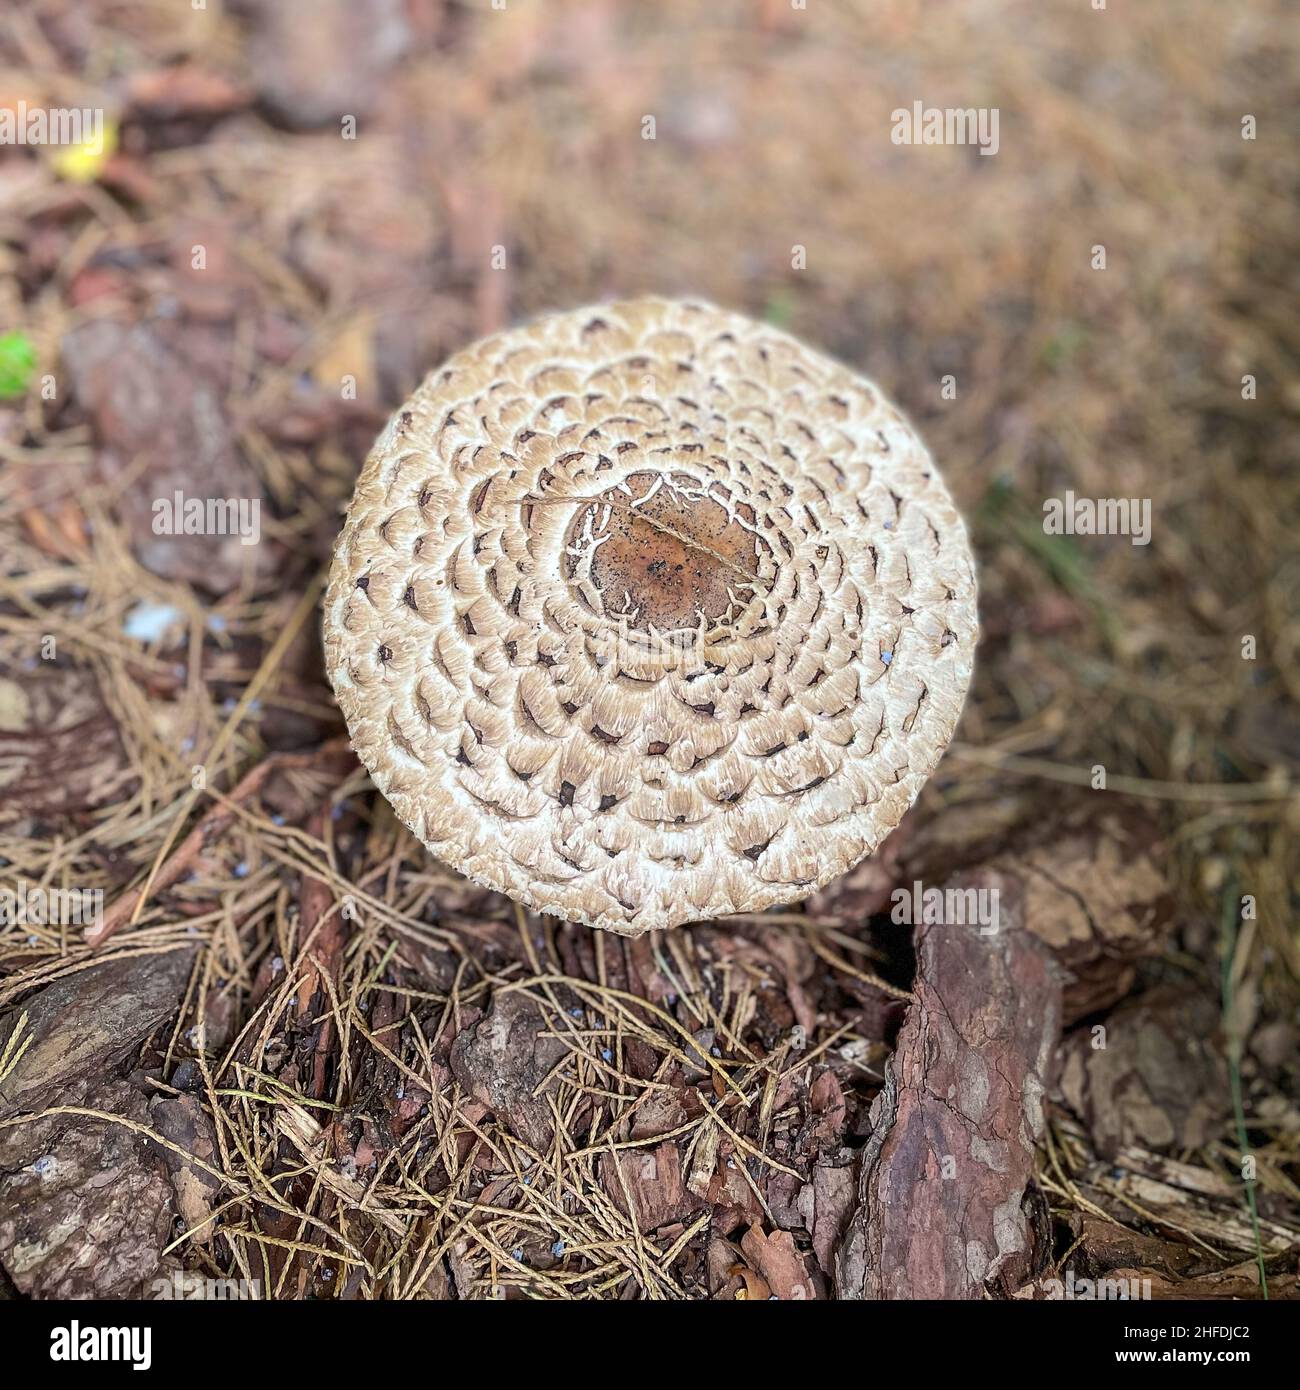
x=43, y=1164
x=607, y=1054
x=575, y=1013
x=149, y=621
x=241, y=870
x=277, y=819
x=557, y=1249
x=518, y=1252
x=886, y=657
x=216, y=623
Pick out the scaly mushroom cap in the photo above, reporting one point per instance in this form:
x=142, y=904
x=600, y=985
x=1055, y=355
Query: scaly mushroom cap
x=648, y=613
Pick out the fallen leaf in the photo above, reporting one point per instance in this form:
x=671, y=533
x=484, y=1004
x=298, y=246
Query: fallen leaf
x=786, y=1270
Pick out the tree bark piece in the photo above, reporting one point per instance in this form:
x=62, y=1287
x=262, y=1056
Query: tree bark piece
x=85, y=1021
x=316, y=61
x=162, y=429
x=1159, y=1081
x=503, y=1059
x=954, y=1128
x=1093, y=875
x=183, y=1120
x=85, y=1205
x=60, y=753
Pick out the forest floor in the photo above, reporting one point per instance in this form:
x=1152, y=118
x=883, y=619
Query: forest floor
x=438, y=1094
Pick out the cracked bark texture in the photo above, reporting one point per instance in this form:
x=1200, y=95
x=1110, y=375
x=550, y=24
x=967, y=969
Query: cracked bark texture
x=944, y=1174
x=87, y=1022
x=1160, y=1081
x=503, y=1060
x=85, y=1203
x=1093, y=874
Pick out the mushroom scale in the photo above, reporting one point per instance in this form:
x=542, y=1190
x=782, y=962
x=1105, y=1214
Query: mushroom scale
x=648, y=613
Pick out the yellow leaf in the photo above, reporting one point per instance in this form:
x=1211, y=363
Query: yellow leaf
x=83, y=162
x=347, y=365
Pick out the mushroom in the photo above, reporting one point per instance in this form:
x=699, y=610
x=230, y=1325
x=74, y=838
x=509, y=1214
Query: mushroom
x=648, y=613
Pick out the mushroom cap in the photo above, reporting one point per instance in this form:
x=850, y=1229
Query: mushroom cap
x=647, y=613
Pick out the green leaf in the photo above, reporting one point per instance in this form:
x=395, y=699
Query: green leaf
x=17, y=362
x=779, y=308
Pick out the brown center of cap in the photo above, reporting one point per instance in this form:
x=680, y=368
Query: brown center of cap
x=664, y=548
